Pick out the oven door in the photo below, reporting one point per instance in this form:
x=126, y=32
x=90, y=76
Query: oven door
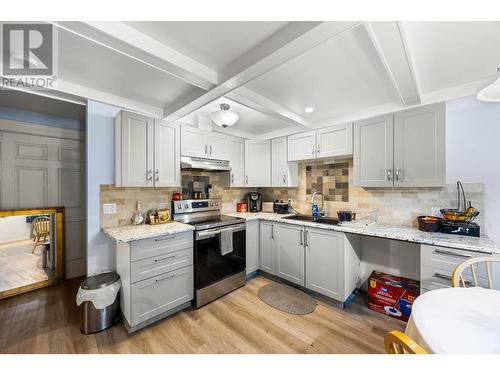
x=210, y=265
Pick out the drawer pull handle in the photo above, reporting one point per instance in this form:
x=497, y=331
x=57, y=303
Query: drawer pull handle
x=446, y=252
x=163, y=239
x=446, y=277
x=163, y=259
x=166, y=278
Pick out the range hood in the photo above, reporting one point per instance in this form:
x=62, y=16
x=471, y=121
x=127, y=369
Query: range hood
x=200, y=164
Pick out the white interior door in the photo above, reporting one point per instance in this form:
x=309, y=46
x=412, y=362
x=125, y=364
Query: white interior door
x=137, y=135
x=420, y=146
x=335, y=141
x=167, y=154
x=373, y=152
x=257, y=163
x=39, y=171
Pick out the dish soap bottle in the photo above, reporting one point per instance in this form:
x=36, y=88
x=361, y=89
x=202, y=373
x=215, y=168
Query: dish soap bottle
x=314, y=210
x=138, y=217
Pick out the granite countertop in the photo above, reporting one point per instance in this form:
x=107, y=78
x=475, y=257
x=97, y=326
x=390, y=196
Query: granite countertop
x=129, y=233
x=482, y=244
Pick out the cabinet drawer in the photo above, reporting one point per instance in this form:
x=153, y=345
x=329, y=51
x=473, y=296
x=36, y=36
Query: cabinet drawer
x=156, y=246
x=149, y=267
x=159, y=294
x=434, y=278
x=448, y=259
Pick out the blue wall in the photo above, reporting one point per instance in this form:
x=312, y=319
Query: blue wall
x=15, y=114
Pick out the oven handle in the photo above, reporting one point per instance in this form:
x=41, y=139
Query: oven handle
x=213, y=232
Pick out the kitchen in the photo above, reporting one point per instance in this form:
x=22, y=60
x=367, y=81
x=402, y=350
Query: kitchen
x=259, y=200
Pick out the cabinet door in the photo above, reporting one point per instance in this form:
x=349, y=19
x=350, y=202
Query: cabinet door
x=267, y=258
x=324, y=262
x=218, y=146
x=290, y=253
x=257, y=163
x=335, y=141
x=194, y=142
x=167, y=154
x=419, y=146
x=373, y=152
x=237, y=161
x=137, y=149
x=279, y=162
x=154, y=296
x=302, y=146
x=252, y=246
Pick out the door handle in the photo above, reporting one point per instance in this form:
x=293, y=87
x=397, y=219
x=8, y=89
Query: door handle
x=246, y=179
x=306, y=239
x=302, y=236
x=313, y=148
x=157, y=175
x=210, y=150
x=397, y=173
x=272, y=231
x=232, y=177
x=164, y=259
x=149, y=175
x=166, y=278
x=389, y=174
x=206, y=149
x=284, y=178
x=319, y=149
x=447, y=252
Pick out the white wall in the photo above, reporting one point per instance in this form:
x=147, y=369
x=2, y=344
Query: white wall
x=473, y=152
x=14, y=228
x=100, y=170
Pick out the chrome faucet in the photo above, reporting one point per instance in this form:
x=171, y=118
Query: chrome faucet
x=321, y=212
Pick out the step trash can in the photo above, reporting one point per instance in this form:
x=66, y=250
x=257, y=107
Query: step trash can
x=100, y=300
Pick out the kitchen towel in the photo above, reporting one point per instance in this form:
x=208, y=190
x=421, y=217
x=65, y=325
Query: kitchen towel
x=226, y=241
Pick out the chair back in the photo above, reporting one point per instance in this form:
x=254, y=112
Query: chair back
x=475, y=272
x=41, y=225
x=396, y=342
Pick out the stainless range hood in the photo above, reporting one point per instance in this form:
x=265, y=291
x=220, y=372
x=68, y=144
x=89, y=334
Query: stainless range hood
x=200, y=164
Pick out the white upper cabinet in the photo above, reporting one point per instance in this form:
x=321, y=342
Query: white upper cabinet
x=147, y=151
x=200, y=143
x=324, y=143
x=284, y=173
x=402, y=149
x=167, y=154
x=218, y=146
x=334, y=141
x=302, y=146
x=419, y=146
x=237, y=162
x=194, y=142
x=135, y=140
x=257, y=163
x=373, y=151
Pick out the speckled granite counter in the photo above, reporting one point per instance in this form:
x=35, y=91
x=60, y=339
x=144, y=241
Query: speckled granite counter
x=129, y=233
x=482, y=244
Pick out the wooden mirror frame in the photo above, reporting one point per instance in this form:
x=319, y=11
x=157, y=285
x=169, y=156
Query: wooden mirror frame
x=58, y=213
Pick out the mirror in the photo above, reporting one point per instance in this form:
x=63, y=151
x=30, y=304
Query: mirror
x=31, y=249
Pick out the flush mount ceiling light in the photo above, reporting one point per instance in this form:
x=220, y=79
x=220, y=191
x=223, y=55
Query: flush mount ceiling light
x=224, y=117
x=491, y=93
x=308, y=109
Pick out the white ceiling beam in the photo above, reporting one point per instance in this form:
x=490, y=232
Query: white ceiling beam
x=289, y=42
x=389, y=42
x=129, y=42
x=264, y=105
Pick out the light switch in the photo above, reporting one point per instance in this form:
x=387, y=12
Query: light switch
x=109, y=208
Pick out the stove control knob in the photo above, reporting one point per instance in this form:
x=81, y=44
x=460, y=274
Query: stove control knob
x=216, y=203
x=186, y=206
x=211, y=204
x=179, y=206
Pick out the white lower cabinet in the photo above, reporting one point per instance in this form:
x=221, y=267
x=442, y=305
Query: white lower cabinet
x=289, y=241
x=267, y=259
x=324, y=257
x=252, y=246
x=157, y=277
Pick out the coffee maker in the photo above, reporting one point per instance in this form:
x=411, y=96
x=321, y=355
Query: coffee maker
x=254, y=202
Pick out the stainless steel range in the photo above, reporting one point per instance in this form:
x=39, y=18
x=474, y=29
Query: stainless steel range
x=219, y=263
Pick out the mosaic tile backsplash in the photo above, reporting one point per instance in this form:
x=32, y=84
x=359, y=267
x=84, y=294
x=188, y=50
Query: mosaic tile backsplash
x=332, y=180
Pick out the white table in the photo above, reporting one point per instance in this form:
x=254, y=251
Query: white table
x=457, y=320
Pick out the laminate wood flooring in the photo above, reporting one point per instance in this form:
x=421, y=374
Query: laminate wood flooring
x=48, y=321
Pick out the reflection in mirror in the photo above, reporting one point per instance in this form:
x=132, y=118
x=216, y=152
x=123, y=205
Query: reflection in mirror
x=30, y=249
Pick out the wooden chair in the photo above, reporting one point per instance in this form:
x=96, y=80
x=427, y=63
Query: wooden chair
x=41, y=229
x=458, y=280
x=396, y=342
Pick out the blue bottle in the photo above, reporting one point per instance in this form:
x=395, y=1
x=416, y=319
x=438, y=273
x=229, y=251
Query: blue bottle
x=314, y=209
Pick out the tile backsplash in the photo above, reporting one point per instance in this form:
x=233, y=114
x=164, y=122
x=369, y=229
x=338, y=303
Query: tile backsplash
x=397, y=206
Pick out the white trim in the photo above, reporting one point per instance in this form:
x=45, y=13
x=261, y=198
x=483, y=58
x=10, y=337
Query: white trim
x=43, y=130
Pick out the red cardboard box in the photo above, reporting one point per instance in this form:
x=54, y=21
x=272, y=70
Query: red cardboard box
x=392, y=295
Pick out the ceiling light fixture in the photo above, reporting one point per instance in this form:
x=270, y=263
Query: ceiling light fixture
x=308, y=109
x=224, y=117
x=491, y=93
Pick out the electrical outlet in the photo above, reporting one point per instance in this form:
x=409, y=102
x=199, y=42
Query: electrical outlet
x=109, y=208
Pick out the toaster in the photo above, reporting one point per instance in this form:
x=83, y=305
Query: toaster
x=280, y=207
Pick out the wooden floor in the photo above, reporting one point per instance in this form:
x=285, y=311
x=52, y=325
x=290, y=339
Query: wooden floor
x=19, y=266
x=48, y=321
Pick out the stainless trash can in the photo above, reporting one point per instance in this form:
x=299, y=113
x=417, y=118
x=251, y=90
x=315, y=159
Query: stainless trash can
x=95, y=320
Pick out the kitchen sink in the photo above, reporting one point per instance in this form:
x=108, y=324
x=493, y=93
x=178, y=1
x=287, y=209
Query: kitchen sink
x=319, y=220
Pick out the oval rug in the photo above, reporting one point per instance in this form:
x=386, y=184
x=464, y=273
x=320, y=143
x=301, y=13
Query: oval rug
x=287, y=299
